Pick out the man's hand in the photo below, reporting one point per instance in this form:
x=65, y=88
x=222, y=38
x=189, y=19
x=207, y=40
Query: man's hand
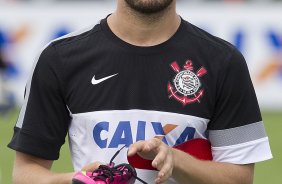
x=161, y=154
x=91, y=167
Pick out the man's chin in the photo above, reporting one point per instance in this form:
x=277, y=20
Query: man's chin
x=149, y=6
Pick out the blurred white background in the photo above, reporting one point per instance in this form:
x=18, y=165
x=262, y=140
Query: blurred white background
x=254, y=26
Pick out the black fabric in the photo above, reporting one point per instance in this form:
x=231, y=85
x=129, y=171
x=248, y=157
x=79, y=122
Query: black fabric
x=63, y=74
x=27, y=142
x=236, y=102
x=46, y=118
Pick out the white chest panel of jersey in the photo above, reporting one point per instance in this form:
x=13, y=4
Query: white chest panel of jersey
x=96, y=136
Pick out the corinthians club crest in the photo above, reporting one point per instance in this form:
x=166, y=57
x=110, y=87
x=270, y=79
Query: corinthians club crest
x=186, y=86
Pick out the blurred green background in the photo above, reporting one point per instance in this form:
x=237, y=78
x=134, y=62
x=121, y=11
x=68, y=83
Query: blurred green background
x=268, y=172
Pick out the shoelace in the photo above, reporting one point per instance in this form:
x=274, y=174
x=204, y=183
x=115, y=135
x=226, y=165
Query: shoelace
x=133, y=172
x=104, y=172
x=108, y=172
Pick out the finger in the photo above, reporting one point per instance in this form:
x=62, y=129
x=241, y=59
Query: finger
x=160, y=158
x=166, y=170
x=154, y=143
x=144, y=146
x=91, y=167
x=136, y=147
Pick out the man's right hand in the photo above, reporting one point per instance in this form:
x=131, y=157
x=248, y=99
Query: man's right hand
x=91, y=167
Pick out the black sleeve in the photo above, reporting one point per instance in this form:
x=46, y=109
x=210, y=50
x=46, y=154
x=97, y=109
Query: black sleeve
x=236, y=102
x=236, y=130
x=44, y=118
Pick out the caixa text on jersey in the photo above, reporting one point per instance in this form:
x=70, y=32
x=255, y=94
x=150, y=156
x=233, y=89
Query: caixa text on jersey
x=111, y=135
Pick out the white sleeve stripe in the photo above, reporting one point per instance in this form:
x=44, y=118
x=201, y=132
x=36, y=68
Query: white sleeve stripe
x=246, y=153
x=28, y=86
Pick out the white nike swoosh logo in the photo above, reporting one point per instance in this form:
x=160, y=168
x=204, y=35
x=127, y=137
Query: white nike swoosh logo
x=94, y=81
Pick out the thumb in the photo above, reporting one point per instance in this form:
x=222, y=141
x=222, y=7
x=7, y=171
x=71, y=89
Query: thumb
x=91, y=167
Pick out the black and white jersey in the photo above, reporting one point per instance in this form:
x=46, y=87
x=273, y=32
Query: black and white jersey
x=105, y=93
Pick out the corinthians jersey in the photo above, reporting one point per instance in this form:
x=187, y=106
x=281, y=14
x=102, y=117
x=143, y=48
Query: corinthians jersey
x=105, y=93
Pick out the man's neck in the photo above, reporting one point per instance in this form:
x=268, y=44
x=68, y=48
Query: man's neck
x=144, y=30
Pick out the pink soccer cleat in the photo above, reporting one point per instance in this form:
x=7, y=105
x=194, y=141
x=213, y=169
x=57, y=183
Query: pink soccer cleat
x=83, y=177
x=120, y=174
x=108, y=174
